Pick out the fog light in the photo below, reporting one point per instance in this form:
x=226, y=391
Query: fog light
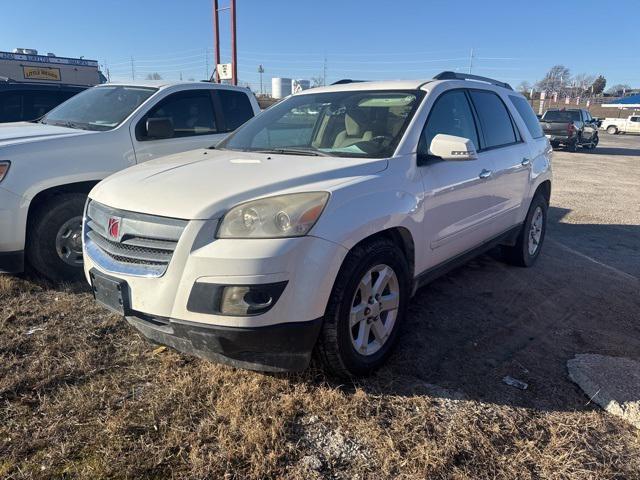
x=234, y=300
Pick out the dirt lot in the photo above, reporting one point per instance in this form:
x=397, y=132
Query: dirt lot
x=82, y=395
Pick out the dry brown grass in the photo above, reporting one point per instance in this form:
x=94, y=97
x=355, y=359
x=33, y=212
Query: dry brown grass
x=82, y=395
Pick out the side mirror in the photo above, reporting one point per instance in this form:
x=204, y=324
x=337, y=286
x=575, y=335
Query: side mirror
x=450, y=147
x=160, y=127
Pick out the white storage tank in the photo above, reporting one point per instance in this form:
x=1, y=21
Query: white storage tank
x=280, y=87
x=299, y=85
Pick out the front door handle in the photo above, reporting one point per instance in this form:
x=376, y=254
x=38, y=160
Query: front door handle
x=525, y=162
x=485, y=173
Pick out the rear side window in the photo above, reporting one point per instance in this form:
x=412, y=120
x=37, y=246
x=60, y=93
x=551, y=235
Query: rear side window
x=236, y=108
x=450, y=115
x=529, y=118
x=37, y=103
x=10, y=107
x=496, y=124
x=191, y=114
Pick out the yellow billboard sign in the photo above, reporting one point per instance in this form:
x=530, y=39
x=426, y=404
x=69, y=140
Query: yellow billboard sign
x=41, y=73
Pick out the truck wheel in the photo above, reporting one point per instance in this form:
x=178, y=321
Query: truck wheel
x=366, y=307
x=54, y=239
x=611, y=130
x=593, y=144
x=527, y=248
x=573, y=146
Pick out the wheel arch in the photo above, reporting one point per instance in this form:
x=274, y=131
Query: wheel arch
x=42, y=196
x=545, y=189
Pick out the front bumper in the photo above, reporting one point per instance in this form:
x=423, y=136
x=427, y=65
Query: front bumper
x=278, y=348
x=280, y=339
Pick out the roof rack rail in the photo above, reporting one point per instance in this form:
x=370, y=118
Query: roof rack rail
x=347, y=80
x=447, y=75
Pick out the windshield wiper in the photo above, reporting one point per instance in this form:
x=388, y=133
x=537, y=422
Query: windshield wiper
x=294, y=151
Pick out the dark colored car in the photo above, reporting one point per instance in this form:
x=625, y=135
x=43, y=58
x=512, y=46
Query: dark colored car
x=571, y=127
x=20, y=102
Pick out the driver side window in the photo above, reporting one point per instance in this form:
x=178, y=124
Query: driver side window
x=450, y=115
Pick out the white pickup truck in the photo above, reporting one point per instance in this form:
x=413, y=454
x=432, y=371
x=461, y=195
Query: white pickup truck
x=614, y=126
x=48, y=167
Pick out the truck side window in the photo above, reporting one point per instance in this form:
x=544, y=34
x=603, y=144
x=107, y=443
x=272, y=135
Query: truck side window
x=450, y=115
x=191, y=113
x=236, y=108
x=495, y=120
x=635, y=119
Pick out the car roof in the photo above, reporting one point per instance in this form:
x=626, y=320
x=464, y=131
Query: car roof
x=424, y=84
x=168, y=83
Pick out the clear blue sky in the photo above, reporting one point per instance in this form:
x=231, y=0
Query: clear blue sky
x=512, y=40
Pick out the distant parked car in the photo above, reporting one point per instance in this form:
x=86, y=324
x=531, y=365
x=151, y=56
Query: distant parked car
x=614, y=126
x=21, y=101
x=47, y=168
x=571, y=127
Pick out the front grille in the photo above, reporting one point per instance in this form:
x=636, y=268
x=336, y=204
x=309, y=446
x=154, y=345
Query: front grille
x=144, y=246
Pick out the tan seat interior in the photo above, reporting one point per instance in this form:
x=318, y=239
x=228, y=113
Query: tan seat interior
x=353, y=132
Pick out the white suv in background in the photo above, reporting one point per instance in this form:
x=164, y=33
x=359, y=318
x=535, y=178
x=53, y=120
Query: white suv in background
x=48, y=167
x=310, y=228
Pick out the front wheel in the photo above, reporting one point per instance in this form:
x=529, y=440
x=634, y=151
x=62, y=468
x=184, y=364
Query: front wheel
x=54, y=245
x=593, y=143
x=611, y=130
x=527, y=248
x=365, y=310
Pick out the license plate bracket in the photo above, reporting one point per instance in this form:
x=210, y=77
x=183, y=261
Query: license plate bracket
x=110, y=292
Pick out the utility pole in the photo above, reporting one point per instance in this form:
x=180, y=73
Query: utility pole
x=470, y=60
x=133, y=70
x=216, y=42
x=260, y=71
x=206, y=58
x=234, y=50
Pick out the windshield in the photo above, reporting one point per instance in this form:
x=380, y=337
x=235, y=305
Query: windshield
x=343, y=124
x=98, y=108
x=562, y=116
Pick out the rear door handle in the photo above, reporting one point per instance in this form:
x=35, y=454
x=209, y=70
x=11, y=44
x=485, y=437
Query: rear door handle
x=525, y=162
x=485, y=173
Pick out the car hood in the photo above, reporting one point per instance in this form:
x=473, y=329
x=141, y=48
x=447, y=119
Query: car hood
x=203, y=184
x=23, y=132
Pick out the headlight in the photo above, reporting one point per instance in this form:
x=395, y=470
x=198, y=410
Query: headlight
x=4, y=168
x=290, y=215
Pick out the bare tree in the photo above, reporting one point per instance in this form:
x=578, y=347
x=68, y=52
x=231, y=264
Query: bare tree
x=524, y=87
x=581, y=84
x=317, y=81
x=618, y=89
x=154, y=76
x=557, y=79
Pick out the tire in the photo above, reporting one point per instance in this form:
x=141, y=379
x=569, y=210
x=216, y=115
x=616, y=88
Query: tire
x=611, y=130
x=593, y=144
x=53, y=235
x=336, y=347
x=573, y=146
x=520, y=254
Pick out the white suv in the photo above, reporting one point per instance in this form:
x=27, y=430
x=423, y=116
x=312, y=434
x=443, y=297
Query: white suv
x=310, y=228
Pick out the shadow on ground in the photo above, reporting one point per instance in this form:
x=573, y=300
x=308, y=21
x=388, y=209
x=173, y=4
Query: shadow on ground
x=481, y=322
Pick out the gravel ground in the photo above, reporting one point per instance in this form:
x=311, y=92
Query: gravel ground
x=82, y=395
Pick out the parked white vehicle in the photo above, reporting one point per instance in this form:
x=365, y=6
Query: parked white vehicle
x=622, y=125
x=48, y=167
x=305, y=232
